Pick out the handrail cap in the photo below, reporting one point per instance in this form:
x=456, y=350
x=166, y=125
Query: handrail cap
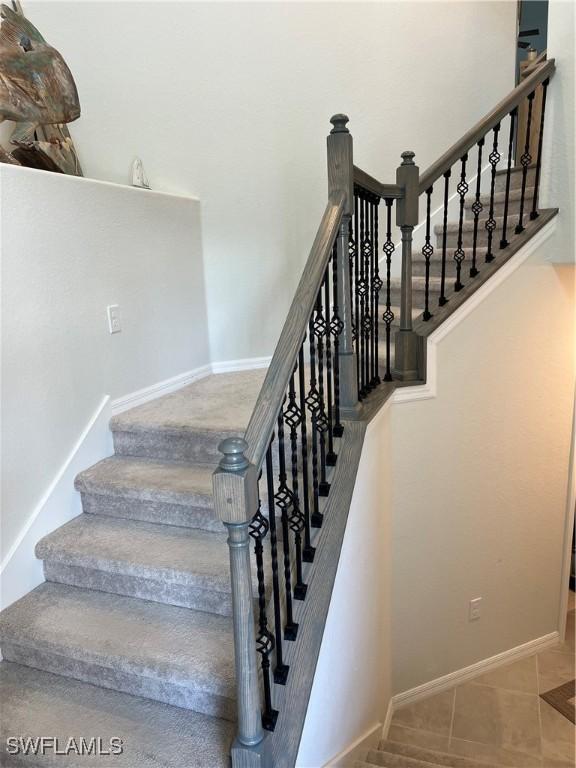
x=233, y=449
x=339, y=122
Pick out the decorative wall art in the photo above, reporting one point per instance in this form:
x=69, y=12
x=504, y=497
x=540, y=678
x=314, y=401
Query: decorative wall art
x=38, y=94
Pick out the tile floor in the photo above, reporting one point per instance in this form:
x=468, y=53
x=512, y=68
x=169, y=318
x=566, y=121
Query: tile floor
x=499, y=717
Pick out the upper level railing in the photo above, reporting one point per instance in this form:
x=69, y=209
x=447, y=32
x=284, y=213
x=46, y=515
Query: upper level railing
x=338, y=344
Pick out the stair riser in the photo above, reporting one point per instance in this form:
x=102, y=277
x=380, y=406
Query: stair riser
x=165, y=691
x=513, y=210
x=183, y=595
x=151, y=511
x=482, y=238
x=515, y=180
x=418, y=298
x=419, y=267
x=198, y=448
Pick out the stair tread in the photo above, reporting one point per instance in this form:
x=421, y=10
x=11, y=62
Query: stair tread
x=481, y=251
x=516, y=169
x=149, y=480
x=468, y=226
x=167, y=553
x=220, y=403
x=154, y=735
x=184, y=647
x=433, y=756
x=500, y=197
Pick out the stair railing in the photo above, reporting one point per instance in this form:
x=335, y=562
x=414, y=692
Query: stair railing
x=272, y=484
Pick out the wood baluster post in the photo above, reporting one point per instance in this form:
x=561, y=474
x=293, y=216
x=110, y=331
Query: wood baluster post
x=341, y=179
x=408, y=353
x=235, y=486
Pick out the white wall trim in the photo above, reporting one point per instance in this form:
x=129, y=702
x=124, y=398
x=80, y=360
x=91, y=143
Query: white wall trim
x=358, y=749
x=568, y=529
x=468, y=673
x=246, y=364
x=428, y=391
x=144, y=395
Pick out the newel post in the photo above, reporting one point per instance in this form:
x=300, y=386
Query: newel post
x=408, y=345
x=341, y=179
x=235, y=486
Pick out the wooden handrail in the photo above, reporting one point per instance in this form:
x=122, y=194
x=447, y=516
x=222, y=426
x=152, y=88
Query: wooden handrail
x=481, y=128
x=371, y=184
x=263, y=420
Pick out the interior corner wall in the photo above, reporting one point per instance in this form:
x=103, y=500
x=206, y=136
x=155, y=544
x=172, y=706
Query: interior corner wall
x=354, y=672
x=480, y=475
x=231, y=102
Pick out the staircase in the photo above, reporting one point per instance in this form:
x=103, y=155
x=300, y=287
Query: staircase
x=133, y=633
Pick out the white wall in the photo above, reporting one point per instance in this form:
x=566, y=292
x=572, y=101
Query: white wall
x=352, y=685
x=231, y=102
x=479, y=479
x=70, y=247
x=560, y=130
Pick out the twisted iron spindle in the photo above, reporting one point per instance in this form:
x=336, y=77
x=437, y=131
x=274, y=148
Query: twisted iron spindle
x=427, y=251
x=361, y=290
x=283, y=499
x=312, y=403
x=494, y=159
x=525, y=161
x=357, y=259
x=331, y=455
x=477, y=209
x=265, y=639
x=503, y=241
x=459, y=254
x=443, y=300
x=388, y=315
x=293, y=417
x=309, y=550
x=336, y=328
x=534, y=211
x=281, y=669
x=320, y=330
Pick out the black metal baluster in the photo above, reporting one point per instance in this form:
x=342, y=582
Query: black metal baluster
x=525, y=161
x=281, y=669
x=356, y=329
x=320, y=330
x=427, y=251
x=477, y=208
x=292, y=417
x=264, y=639
x=312, y=400
x=283, y=499
x=534, y=212
x=494, y=158
x=459, y=254
x=367, y=321
x=336, y=328
x=376, y=288
x=331, y=457
x=503, y=240
x=443, y=300
x=361, y=291
x=388, y=315
x=309, y=550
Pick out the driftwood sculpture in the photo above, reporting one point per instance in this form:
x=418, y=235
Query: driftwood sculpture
x=38, y=93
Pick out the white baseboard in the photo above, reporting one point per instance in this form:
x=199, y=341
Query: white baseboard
x=247, y=364
x=474, y=670
x=20, y=571
x=358, y=749
x=159, y=389
x=428, y=391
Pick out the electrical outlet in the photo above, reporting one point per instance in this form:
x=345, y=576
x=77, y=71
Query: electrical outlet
x=475, y=609
x=114, y=324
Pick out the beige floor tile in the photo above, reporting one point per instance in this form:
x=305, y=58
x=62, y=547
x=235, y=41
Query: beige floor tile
x=497, y=717
x=518, y=676
x=554, y=669
x=550, y=762
x=494, y=755
x=558, y=733
x=433, y=714
x=416, y=738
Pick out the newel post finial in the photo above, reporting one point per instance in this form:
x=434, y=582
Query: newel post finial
x=339, y=122
x=233, y=458
x=408, y=158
